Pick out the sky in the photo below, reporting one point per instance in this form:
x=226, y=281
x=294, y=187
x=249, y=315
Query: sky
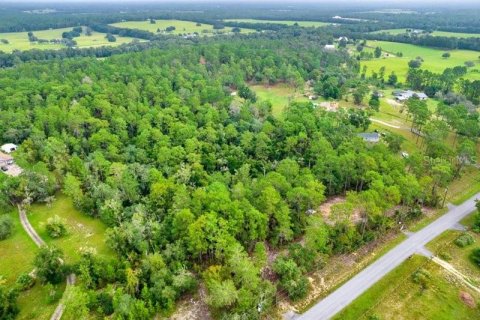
x=258, y=1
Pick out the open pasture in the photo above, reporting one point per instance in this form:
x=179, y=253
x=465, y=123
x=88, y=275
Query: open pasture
x=306, y=24
x=19, y=40
x=181, y=27
x=433, y=60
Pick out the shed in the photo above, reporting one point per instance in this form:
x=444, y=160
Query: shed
x=329, y=47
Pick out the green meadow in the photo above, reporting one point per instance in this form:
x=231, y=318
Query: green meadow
x=435, y=33
x=279, y=95
x=19, y=40
x=181, y=27
x=306, y=24
x=433, y=60
x=82, y=230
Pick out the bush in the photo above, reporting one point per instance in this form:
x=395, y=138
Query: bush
x=475, y=256
x=6, y=226
x=463, y=240
x=445, y=256
x=421, y=277
x=25, y=281
x=55, y=227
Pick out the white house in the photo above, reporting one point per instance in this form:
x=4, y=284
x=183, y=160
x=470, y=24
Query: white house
x=8, y=147
x=329, y=47
x=405, y=95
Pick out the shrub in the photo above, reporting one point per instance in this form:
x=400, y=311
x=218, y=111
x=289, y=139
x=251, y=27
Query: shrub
x=421, y=277
x=445, y=256
x=463, y=240
x=25, y=281
x=55, y=227
x=6, y=226
x=475, y=256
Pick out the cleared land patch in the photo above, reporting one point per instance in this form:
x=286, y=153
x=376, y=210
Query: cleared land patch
x=181, y=27
x=433, y=60
x=280, y=95
x=82, y=231
x=19, y=40
x=306, y=24
x=434, y=33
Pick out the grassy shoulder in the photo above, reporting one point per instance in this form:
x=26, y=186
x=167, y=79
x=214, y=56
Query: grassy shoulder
x=82, y=230
x=39, y=302
x=444, y=247
x=397, y=296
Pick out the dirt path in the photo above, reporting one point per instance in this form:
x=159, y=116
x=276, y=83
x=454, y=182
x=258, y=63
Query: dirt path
x=386, y=123
x=451, y=269
x=39, y=242
x=28, y=227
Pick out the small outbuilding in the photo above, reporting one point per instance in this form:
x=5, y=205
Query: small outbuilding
x=371, y=137
x=329, y=47
x=8, y=147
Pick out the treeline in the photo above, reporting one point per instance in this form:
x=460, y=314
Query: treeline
x=430, y=41
x=123, y=32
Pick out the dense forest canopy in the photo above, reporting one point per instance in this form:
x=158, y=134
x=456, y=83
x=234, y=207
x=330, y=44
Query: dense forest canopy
x=200, y=185
x=192, y=180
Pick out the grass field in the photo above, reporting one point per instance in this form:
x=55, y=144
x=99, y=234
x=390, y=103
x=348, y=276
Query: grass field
x=435, y=33
x=82, y=231
x=33, y=303
x=19, y=40
x=305, y=24
x=16, y=252
x=279, y=95
x=396, y=296
x=181, y=27
x=433, y=60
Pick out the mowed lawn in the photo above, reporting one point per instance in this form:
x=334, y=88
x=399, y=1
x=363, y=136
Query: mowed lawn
x=398, y=297
x=280, y=95
x=435, y=33
x=181, y=27
x=433, y=60
x=82, y=230
x=306, y=24
x=19, y=40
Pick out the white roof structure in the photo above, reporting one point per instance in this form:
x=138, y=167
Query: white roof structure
x=329, y=47
x=8, y=147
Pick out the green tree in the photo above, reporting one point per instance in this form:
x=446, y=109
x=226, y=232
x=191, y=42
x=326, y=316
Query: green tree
x=49, y=264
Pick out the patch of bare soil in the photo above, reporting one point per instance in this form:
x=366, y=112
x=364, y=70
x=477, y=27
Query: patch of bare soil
x=193, y=307
x=394, y=103
x=325, y=211
x=329, y=105
x=467, y=299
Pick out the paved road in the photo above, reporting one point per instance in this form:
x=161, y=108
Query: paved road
x=343, y=296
